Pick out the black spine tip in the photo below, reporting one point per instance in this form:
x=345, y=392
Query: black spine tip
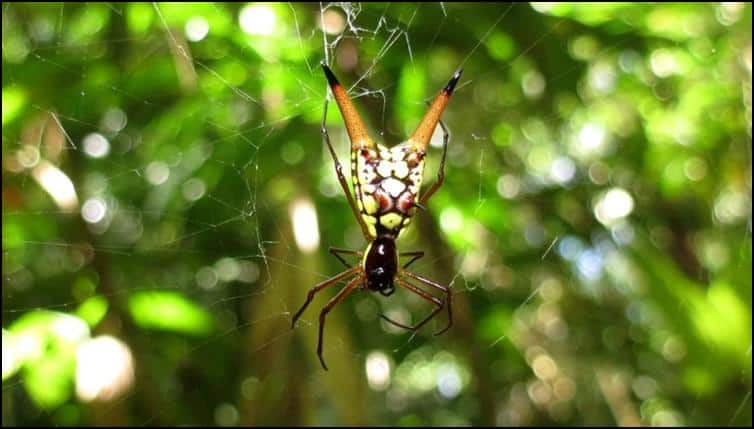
x=330, y=76
x=453, y=81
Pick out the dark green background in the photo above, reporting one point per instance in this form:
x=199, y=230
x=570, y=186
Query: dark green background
x=563, y=315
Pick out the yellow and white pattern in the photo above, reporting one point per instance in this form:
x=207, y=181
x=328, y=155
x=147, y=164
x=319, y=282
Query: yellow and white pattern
x=386, y=184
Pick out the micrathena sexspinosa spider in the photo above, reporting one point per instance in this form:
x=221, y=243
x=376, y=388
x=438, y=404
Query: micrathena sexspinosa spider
x=386, y=183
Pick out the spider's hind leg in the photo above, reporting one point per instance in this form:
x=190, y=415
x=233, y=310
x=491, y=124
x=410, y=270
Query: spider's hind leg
x=444, y=289
x=440, y=303
x=433, y=299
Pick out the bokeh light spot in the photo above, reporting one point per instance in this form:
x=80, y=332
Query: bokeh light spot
x=197, y=28
x=96, y=145
x=93, y=210
x=378, y=370
x=258, y=19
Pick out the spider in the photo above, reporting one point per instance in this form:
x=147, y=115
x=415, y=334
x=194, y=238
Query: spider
x=386, y=183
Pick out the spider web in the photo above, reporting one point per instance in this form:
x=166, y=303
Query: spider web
x=254, y=306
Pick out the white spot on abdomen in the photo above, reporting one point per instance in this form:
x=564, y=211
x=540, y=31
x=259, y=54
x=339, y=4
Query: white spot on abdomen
x=393, y=186
x=401, y=169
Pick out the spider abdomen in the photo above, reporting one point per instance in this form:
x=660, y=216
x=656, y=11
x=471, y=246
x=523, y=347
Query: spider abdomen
x=386, y=183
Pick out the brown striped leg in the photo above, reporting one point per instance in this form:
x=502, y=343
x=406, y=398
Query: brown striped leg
x=415, y=255
x=436, y=301
x=445, y=289
x=333, y=302
x=329, y=282
x=336, y=251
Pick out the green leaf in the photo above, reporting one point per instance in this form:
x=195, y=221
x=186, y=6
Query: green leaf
x=139, y=17
x=49, y=381
x=411, y=87
x=14, y=100
x=43, y=343
x=13, y=232
x=494, y=326
x=169, y=311
x=41, y=329
x=93, y=310
x=11, y=363
x=715, y=326
x=501, y=46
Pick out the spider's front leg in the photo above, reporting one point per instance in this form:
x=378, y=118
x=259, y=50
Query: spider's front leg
x=416, y=255
x=336, y=251
x=341, y=177
x=333, y=302
x=325, y=284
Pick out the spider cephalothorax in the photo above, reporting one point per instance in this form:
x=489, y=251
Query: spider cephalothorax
x=386, y=183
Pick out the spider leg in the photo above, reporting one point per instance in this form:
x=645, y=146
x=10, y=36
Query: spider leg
x=333, y=302
x=444, y=289
x=436, y=301
x=337, y=250
x=329, y=282
x=415, y=256
x=341, y=178
x=441, y=172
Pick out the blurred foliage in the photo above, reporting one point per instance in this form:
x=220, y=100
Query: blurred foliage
x=595, y=221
